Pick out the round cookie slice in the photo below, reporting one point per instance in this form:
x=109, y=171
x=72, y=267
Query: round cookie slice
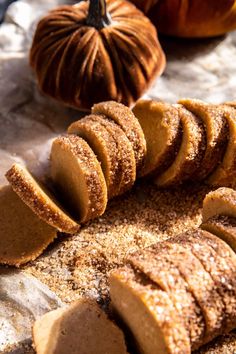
x=40, y=200
x=191, y=150
x=104, y=146
x=216, y=135
x=82, y=327
x=222, y=201
x=23, y=235
x=221, y=269
x=200, y=284
x=162, y=130
x=78, y=176
x=165, y=274
x=225, y=173
x=223, y=227
x=126, y=173
x=125, y=118
x=149, y=313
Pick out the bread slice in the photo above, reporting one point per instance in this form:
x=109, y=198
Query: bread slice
x=216, y=135
x=80, y=328
x=126, y=171
x=199, y=281
x=40, y=200
x=149, y=313
x=222, y=201
x=225, y=173
x=104, y=146
x=23, y=236
x=162, y=130
x=221, y=269
x=78, y=176
x=160, y=270
x=191, y=151
x=223, y=227
x=125, y=118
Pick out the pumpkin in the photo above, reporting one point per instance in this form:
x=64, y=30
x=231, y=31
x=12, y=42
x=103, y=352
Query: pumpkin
x=191, y=18
x=90, y=52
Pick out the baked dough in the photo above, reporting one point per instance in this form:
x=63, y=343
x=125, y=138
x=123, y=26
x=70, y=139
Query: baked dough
x=216, y=135
x=104, y=146
x=125, y=118
x=78, y=176
x=162, y=130
x=149, y=313
x=166, y=275
x=199, y=281
x=191, y=151
x=23, y=236
x=80, y=328
x=125, y=155
x=222, y=201
x=221, y=269
x=223, y=227
x=40, y=200
x=225, y=173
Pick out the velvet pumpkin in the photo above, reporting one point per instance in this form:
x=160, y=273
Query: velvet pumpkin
x=191, y=18
x=87, y=53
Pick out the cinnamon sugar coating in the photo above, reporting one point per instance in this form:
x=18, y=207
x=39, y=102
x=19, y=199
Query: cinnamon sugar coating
x=78, y=176
x=40, y=200
x=125, y=118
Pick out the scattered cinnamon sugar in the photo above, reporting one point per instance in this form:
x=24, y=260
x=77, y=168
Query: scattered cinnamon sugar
x=79, y=265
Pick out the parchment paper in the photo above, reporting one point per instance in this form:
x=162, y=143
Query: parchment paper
x=28, y=122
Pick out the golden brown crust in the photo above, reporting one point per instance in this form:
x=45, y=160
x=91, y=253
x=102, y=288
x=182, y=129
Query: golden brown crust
x=220, y=266
x=222, y=201
x=80, y=65
x=200, y=284
x=40, y=200
x=81, y=325
x=78, y=176
x=216, y=135
x=139, y=301
x=162, y=130
x=191, y=151
x=23, y=236
x=125, y=118
x=167, y=276
x=223, y=227
x=104, y=146
x=126, y=168
x=225, y=173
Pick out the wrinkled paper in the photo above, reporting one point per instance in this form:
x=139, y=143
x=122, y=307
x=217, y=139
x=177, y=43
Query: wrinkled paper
x=22, y=299
x=29, y=121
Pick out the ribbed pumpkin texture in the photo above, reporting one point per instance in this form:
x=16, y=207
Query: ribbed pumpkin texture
x=191, y=18
x=87, y=53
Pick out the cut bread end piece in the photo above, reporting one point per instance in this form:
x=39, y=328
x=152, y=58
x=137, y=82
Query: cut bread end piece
x=222, y=201
x=80, y=328
x=23, y=235
x=162, y=130
x=125, y=118
x=40, y=200
x=78, y=176
x=149, y=314
x=223, y=227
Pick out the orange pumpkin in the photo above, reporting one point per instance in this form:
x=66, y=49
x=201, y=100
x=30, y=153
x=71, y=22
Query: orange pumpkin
x=191, y=18
x=87, y=53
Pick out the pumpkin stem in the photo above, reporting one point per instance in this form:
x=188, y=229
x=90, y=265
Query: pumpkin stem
x=98, y=16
